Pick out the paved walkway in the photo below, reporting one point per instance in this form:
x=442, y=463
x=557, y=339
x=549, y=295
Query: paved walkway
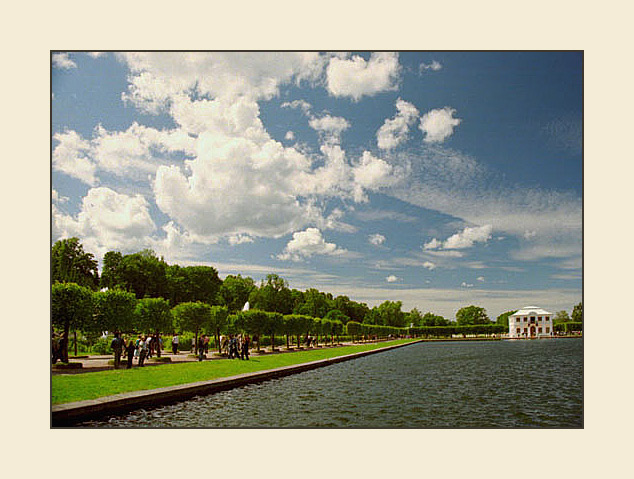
x=94, y=363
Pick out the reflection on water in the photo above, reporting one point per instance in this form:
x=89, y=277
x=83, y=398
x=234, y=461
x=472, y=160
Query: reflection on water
x=427, y=385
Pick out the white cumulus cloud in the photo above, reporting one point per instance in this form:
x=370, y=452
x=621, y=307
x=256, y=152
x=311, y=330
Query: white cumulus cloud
x=355, y=77
x=376, y=239
x=62, y=61
x=468, y=237
x=438, y=125
x=394, y=131
x=107, y=220
x=308, y=243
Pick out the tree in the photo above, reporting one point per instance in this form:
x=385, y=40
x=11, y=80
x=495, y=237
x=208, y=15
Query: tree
x=142, y=273
x=255, y=322
x=192, y=317
x=114, y=310
x=561, y=317
x=71, y=308
x=273, y=296
x=316, y=304
x=335, y=314
x=413, y=318
x=219, y=318
x=503, y=318
x=153, y=314
x=577, y=313
x=111, y=270
x=71, y=264
x=192, y=283
x=275, y=324
x=388, y=313
x=472, y=315
x=235, y=291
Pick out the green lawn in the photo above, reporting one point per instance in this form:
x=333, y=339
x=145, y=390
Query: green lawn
x=78, y=387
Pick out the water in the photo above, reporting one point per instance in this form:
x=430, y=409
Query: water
x=506, y=384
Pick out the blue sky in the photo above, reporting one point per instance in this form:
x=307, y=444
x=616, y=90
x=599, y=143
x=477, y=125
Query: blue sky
x=440, y=179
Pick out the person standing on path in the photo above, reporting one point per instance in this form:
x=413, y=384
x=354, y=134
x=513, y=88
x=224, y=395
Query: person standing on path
x=245, y=347
x=117, y=346
x=201, y=347
x=175, y=343
x=130, y=350
x=142, y=351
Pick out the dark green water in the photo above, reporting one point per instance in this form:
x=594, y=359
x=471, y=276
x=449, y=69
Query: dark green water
x=499, y=384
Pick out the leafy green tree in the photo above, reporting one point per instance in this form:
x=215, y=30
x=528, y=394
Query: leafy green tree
x=255, y=323
x=561, y=317
x=503, y=318
x=335, y=314
x=235, y=291
x=577, y=313
x=472, y=315
x=114, y=310
x=275, y=324
x=218, y=322
x=71, y=308
x=153, y=314
x=71, y=264
x=273, y=295
x=111, y=270
x=414, y=318
x=316, y=304
x=142, y=273
x=192, y=283
x=192, y=317
x=353, y=329
x=388, y=313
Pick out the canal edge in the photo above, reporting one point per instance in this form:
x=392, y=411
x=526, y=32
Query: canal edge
x=68, y=414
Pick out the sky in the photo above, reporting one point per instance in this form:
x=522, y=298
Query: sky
x=439, y=179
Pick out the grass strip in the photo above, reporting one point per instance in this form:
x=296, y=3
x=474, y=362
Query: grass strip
x=79, y=387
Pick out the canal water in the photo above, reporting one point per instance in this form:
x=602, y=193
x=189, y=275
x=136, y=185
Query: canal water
x=496, y=384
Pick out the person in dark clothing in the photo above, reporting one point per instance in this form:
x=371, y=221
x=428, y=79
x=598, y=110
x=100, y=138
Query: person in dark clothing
x=201, y=347
x=129, y=350
x=245, y=347
x=117, y=346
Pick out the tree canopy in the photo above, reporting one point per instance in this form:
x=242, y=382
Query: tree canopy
x=577, y=313
x=472, y=315
x=71, y=264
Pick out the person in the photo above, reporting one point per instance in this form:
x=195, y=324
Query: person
x=130, y=350
x=142, y=351
x=201, y=347
x=117, y=347
x=233, y=347
x=157, y=342
x=175, y=343
x=136, y=349
x=149, y=342
x=55, y=347
x=206, y=344
x=245, y=347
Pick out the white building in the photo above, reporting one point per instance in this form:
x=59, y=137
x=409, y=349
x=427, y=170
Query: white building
x=531, y=322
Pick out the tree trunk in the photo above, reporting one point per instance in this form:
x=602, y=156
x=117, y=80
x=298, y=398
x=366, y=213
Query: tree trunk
x=75, y=339
x=196, y=343
x=218, y=341
x=64, y=344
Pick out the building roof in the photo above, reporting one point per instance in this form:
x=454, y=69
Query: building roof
x=528, y=310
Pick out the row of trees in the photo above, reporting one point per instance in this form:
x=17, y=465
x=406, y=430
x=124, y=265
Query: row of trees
x=147, y=276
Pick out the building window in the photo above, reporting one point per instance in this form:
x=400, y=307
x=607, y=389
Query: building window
x=518, y=331
x=539, y=330
x=525, y=319
x=547, y=330
x=547, y=318
x=539, y=318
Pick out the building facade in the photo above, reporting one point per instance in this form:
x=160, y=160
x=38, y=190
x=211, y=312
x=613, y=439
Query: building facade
x=531, y=322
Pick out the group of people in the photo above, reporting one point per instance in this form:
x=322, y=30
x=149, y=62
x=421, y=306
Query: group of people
x=142, y=348
x=236, y=346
